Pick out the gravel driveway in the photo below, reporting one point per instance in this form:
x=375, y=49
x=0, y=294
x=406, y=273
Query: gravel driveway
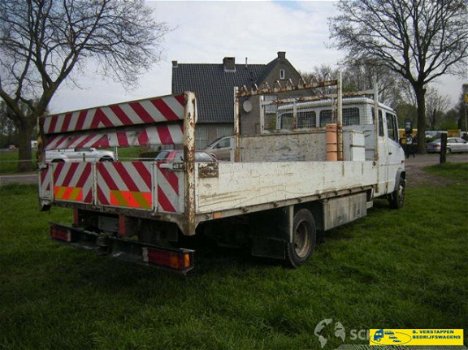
x=416, y=176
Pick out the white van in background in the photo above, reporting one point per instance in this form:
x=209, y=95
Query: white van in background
x=80, y=154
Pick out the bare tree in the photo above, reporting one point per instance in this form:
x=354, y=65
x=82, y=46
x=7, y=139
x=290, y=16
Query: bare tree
x=43, y=41
x=419, y=39
x=360, y=77
x=7, y=127
x=436, y=105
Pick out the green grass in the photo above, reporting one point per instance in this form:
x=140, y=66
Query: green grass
x=9, y=161
x=394, y=269
x=455, y=171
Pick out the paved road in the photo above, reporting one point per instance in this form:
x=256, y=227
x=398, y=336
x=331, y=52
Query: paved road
x=416, y=176
x=24, y=179
x=433, y=158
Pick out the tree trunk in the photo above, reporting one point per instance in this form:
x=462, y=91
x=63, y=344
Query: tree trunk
x=420, y=93
x=433, y=119
x=25, y=152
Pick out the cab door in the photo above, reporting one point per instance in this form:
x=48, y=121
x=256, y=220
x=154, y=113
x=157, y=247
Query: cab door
x=395, y=154
x=382, y=175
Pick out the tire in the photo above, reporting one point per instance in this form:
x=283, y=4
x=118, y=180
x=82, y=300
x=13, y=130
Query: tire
x=304, y=238
x=58, y=161
x=397, y=198
x=106, y=159
x=449, y=150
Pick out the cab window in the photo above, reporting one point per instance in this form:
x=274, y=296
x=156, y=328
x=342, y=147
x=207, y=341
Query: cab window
x=306, y=119
x=351, y=116
x=391, y=127
x=287, y=121
x=325, y=117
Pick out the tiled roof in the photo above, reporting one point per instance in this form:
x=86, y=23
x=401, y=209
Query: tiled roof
x=214, y=87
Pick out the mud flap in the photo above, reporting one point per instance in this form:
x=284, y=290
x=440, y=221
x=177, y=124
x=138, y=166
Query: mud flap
x=270, y=233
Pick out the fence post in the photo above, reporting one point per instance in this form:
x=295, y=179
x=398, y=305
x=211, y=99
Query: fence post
x=443, y=148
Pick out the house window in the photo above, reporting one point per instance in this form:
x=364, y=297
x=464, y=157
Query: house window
x=282, y=74
x=224, y=131
x=201, y=138
x=306, y=119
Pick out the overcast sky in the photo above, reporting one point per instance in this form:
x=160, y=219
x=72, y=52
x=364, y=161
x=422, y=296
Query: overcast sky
x=207, y=31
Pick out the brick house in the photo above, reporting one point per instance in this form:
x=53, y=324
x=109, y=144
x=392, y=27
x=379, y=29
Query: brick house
x=213, y=85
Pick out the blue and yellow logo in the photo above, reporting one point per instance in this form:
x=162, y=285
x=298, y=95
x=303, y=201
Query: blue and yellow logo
x=416, y=337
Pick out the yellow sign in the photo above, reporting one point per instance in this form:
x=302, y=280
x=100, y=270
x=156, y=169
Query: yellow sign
x=416, y=337
x=466, y=98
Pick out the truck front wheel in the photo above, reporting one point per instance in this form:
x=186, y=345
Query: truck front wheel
x=303, y=238
x=397, y=198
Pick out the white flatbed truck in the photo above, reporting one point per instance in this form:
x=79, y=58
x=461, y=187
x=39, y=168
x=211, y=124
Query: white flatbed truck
x=286, y=183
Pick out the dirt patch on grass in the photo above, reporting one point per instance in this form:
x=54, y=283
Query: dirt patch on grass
x=416, y=176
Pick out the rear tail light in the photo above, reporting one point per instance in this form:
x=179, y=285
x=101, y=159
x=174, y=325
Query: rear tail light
x=60, y=233
x=180, y=260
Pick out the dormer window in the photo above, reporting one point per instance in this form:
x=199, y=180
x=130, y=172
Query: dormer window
x=282, y=74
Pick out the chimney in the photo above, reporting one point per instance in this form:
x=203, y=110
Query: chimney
x=246, y=61
x=175, y=64
x=229, y=64
x=282, y=55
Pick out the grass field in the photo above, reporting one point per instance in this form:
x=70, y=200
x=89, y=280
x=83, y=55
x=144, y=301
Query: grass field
x=9, y=161
x=394, y=269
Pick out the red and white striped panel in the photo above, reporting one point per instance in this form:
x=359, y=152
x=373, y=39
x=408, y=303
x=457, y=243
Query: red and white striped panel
x=154, y=110
x=73, y=182
x=125, y=184
x=158, y=134
x=45, y=183
x=170, y=192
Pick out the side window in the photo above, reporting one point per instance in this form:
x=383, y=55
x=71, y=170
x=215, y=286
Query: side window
x=224, y=143
x=351, y=116
x=325, y=117
x=381, y=132
x=306, y=119
x=202, y=157
x=391, y=127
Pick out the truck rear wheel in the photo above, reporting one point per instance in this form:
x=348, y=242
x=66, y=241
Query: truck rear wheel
x=397, y=198
x=303, y=238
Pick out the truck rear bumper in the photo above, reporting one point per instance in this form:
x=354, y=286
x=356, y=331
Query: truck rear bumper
x=174, y=259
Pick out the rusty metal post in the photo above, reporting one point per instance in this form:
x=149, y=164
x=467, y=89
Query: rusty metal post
x=377, y=128
x=236, y=124
x=190, y=118
x=376, y=120
x=339, y=121
x=443, y=148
